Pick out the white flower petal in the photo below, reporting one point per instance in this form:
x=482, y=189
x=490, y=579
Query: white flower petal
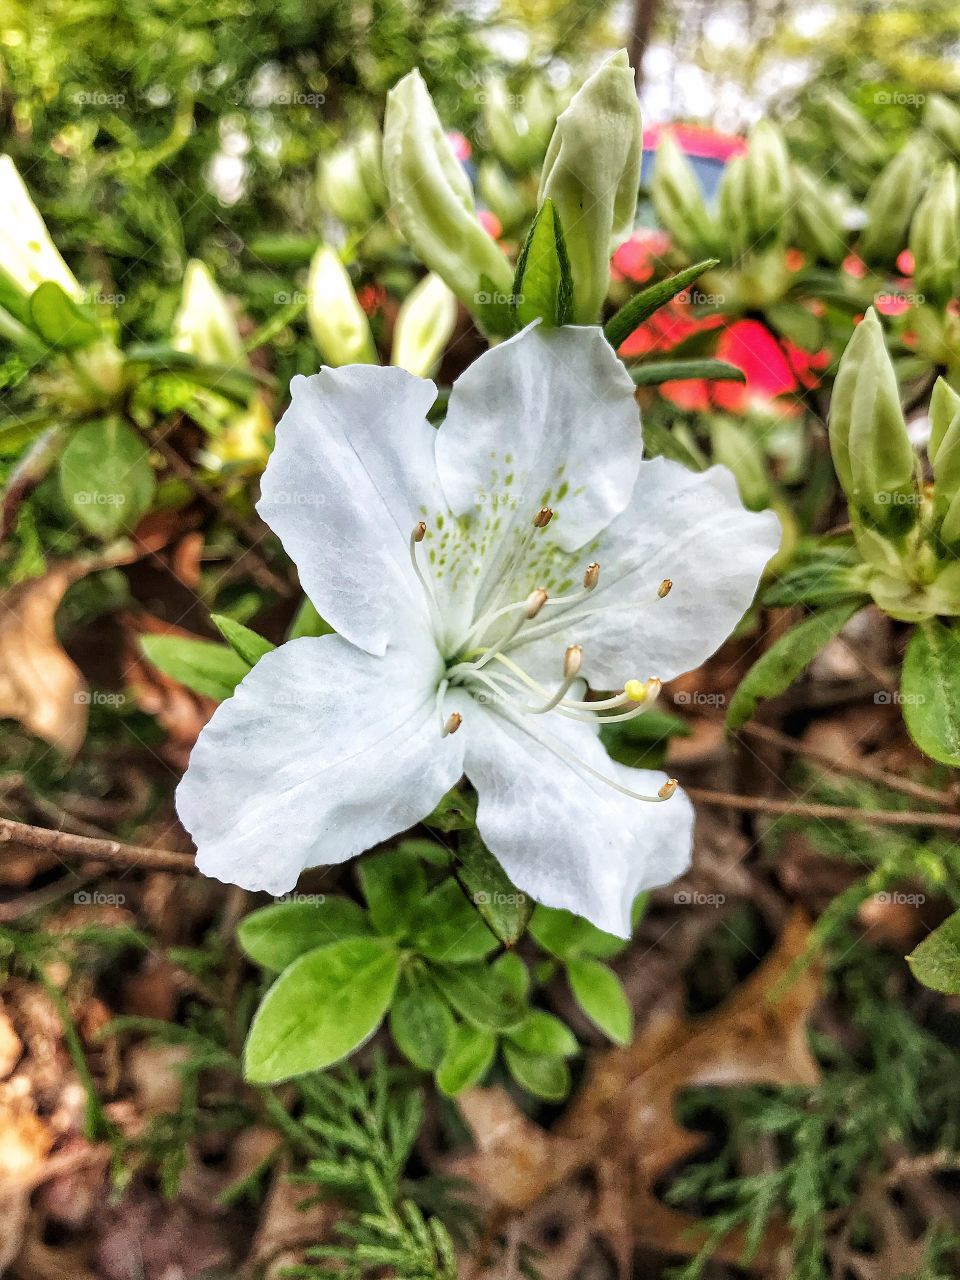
x=690, y=527
x=322, y=752
x=562, y=836
x=352, y=472
x=548, y=418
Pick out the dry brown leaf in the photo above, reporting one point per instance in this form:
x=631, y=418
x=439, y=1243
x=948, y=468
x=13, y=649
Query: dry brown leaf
x=39, y=685
x=621, y=1126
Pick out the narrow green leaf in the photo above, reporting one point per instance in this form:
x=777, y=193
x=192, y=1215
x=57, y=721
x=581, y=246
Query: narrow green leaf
x=598, y=992
x=930, y=690
x=544, y=1034
x=656, y=371
x=446, y=927
x=244, y=642
x=276, y=935
x=394, y=884
x=786, y=658
x=483, y=996
x=326, y=1004
x=543, y=1076
x=105, y=477
x=936, y=961
x=421, y=1022
x=467, y=1059
x=543, y=283
x=204, y=666
x=505, y=909
x=307, y=622
x=59, y=320
x=642, y=305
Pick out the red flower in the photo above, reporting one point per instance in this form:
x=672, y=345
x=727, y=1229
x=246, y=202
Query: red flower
x=637, y=258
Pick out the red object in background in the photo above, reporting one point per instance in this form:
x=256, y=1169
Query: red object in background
x=461, y=146
x=490, y=223
x=639, y=256
x=371, y=298
x=695, y=140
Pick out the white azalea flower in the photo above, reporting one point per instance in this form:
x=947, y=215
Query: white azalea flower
x=469, y=621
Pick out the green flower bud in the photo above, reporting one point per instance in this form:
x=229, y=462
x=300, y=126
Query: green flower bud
x=737, y=448
x=678, y=201
x=755, y=192
x=818, y=217
x=540, y=109
x=337, y=322
x=204, y=324
x=369, y=148
x=28, y=256
x=872, y=453
x=505, y=128
x=943, y=451
x=850, y=130
x=592, y=175
x=890, y=203
x=504, y=195
x=432, y=197
x=425, y=324
x=935, y=236
x=341, y=188
x=941, y=117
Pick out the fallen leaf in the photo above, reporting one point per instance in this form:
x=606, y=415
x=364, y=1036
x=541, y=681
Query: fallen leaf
x=621, y=1127
x=39, y=685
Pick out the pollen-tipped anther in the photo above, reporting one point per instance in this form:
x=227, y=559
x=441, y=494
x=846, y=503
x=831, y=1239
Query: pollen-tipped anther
x=591, y=577
x=419, y=531
x=535, y=602
x=542, y=518
x=665, y=587
x=572, y=660
x=668, y=788
x=453, y=722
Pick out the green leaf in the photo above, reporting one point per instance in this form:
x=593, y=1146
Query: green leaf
x=307, y=622
x=642, y=306
x=457, y=811
x=786, y=658
x=446, y=927
x=544, y=1077
x=321, y=1008
x=598, y=992
x=394, y=884
x=544, y=1034
x=105, y=477
x=796, y=324
x=483, y=996
x=936, y=961
x=656, y=371
x=421, y=1022
x=18, y=431
x=930, y=690
x=494, y=310
x=543, y=283
x=244, y=642
x=512, y=970
x=467, y=1059
x=58, y=319
x=276, y=935
x=505, y=909
x=204, y=666
x=564, y=934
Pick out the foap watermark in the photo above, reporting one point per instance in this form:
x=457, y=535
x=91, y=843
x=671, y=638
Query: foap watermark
x=895, y=698
x=303, y=899
x=484, y=899
x=99, y=698
x=897, y=98
x=698, y=698
x=484, y=298
x=97, y=898
x=98, y=98
x=897, y=899
x=99, y=498
x=692, y=898
x=284, y=299
x=299, y=498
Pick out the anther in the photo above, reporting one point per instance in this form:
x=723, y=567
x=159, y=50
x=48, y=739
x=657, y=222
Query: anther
x=534, y=603
x=665, y=587
x=572, y=659
x=420, y=531
x=636, y=690
x=542, y=518
x=453, y=723
x=592, y=576
x=668, y=788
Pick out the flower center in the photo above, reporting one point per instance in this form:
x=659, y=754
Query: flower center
x=485, y=665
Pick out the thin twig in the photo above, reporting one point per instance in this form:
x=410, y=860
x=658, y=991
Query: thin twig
x=66, y=845
x=824, y=812
x=852, y=768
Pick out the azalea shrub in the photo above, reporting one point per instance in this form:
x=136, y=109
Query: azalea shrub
x=529, y=430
